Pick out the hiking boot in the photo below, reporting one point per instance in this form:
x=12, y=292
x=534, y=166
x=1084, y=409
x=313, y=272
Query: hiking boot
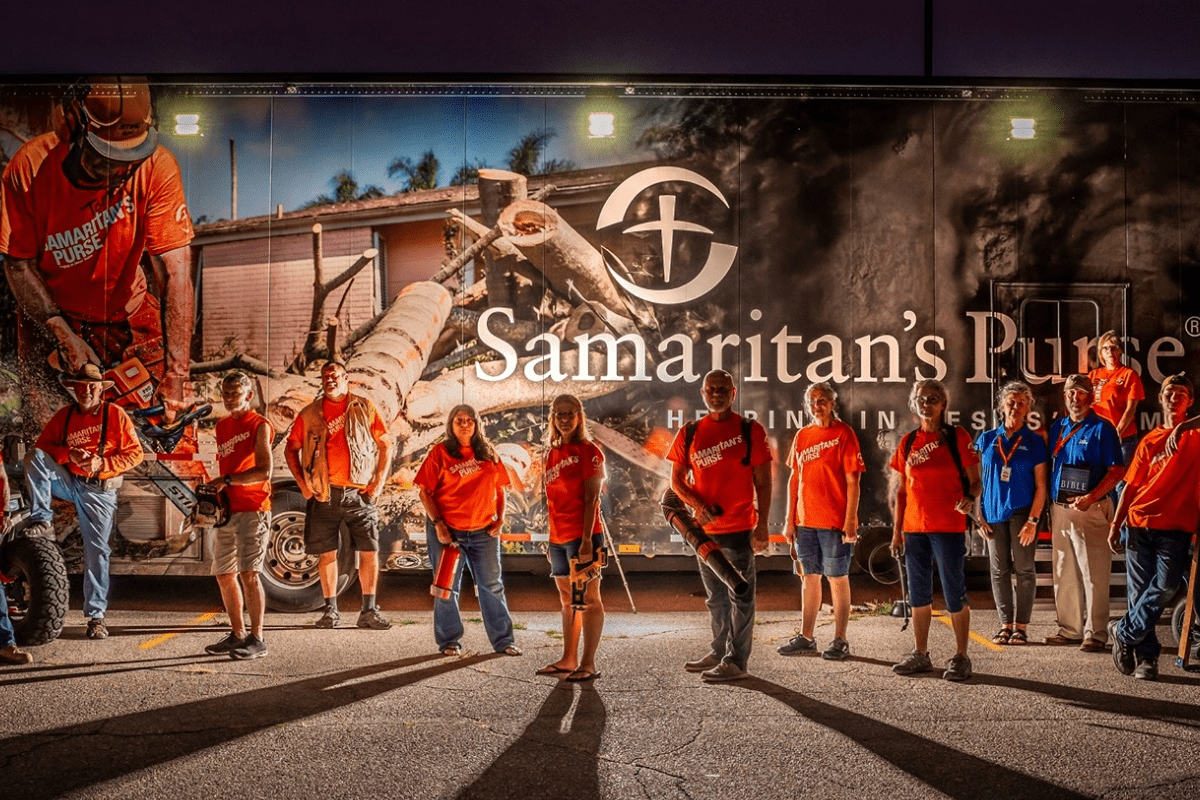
x=96, y=628
x=370, y=618
x=725, y=671
x=1123, y=657
x=702, y=664
x=224, y=646
x=250, y=647
x=798, y=645
x=1147, y=670
x=40, y=528
x=958, y=668
x=11, y=654
x=914, y=662
x=838, y=650
x=329, y=619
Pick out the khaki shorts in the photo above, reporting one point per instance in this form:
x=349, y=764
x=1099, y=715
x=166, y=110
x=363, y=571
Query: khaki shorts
x=242, y=544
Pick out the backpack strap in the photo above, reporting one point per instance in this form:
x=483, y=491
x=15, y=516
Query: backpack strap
x=950, y=434
x=747, y=427
x=689, y=434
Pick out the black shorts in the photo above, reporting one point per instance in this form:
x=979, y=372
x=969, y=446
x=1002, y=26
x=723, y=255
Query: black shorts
x=323, y=522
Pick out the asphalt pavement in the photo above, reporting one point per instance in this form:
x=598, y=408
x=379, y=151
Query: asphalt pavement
x=362, y=714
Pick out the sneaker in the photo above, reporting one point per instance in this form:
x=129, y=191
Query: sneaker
x=1147, y=670
x=370, y=618
x=224, y=646
x=838, y=649
x=329, y=619
x=250, y=647
x=1123, y=657
x=11, y=654
x=725, y=671
x=702, y=664
x=798, y=645
x=96, y=628
x=914, y=662
x=958, y=668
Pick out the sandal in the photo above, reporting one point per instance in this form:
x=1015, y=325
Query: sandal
x=452, y=650
x=1003, y=636
x=1019, y=636
x=553, y=669
x=582, y=675
x=512, y=650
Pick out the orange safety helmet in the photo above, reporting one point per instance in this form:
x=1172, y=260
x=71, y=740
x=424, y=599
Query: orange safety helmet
x=113, y=115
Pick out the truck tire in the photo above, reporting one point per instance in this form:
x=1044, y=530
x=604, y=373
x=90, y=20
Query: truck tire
x=289, y=575
x=39, y=592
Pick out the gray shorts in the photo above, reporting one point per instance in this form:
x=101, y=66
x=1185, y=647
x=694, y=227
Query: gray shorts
x=242, y=544
x=323, y=522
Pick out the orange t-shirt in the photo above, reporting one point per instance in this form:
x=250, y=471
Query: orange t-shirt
x=568, y=466
x=88, y=242
x=931, y=482
x=717, y=471
x=1166, y=489
x=821, y=459
x=464, y=489
x=1112, y=390
x=235, y=453
x=70, y=427
x=337, y=452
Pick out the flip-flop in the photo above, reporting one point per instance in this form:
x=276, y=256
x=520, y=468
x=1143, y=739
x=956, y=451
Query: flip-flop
x=452, y=650
x=582, y=675
x=551, y=669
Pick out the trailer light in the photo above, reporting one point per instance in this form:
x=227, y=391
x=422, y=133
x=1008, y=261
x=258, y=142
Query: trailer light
x=1022, y=128
x=600, y=125
x=187, y=124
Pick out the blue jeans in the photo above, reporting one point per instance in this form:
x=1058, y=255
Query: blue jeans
x=45, y=477
x=732, y=615
x=949, y=552
x=1154, y=562
x=7, y=636
x=481, y=554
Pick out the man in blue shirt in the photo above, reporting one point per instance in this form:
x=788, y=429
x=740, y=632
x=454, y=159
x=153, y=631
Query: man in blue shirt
x=1087, y=464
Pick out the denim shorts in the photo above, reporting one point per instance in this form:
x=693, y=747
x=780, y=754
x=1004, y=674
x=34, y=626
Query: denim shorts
x=821, y=551
x=561, y=554
x=949, y=552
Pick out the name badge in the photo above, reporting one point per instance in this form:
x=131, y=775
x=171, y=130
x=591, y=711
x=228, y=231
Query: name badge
x=1074, y=481
x=1006, y=474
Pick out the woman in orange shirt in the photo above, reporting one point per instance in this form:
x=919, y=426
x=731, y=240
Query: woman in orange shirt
x=461, y=484
x=573, y=476
x=1117, y=391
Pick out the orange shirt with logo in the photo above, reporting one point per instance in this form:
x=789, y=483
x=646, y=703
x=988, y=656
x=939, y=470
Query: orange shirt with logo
x=717, y=471
x=568, y=467
x=1166, y=490
x=464, y=489
x=821, y=458
x=87, y=242
x=337, y=452
x=235, y=453
x=70, y=427
x=931, y=481
x=1112, y=390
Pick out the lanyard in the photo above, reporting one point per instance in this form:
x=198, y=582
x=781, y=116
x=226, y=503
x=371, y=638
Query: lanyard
x=1016, y=443
x=1058, y=445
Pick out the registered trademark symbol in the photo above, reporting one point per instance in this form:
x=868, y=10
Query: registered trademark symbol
x=1192, y=326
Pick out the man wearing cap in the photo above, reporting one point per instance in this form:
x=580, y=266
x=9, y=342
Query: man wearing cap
x=1087, y=464
x=80, y=456
x=1161, y=503
x=78, y=209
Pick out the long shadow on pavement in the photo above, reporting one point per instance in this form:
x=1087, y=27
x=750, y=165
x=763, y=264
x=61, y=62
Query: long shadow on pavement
x=88, y=669
x=952, y=772
x=1185, y=714
x=555, y=757
x=49, y=763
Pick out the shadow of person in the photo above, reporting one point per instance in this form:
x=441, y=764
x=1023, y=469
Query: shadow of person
x=942, y=768
x=557, y=754
x=52, y=762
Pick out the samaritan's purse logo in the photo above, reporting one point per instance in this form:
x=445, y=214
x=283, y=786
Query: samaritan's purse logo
x=720, y=256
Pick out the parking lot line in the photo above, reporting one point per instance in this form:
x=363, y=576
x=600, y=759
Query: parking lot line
x=988, y=643
x=157, y=640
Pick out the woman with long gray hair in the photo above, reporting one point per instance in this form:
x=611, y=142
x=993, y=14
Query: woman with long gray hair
x=1014, y=459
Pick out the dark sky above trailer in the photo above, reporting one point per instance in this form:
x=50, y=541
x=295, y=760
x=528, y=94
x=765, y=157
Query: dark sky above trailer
x=1113, y=39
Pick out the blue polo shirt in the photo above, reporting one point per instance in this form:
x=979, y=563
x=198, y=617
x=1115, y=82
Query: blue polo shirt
x=1001, y=498
x=1091, y=450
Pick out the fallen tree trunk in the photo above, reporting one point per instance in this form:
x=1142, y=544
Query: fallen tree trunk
x=387, y=363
